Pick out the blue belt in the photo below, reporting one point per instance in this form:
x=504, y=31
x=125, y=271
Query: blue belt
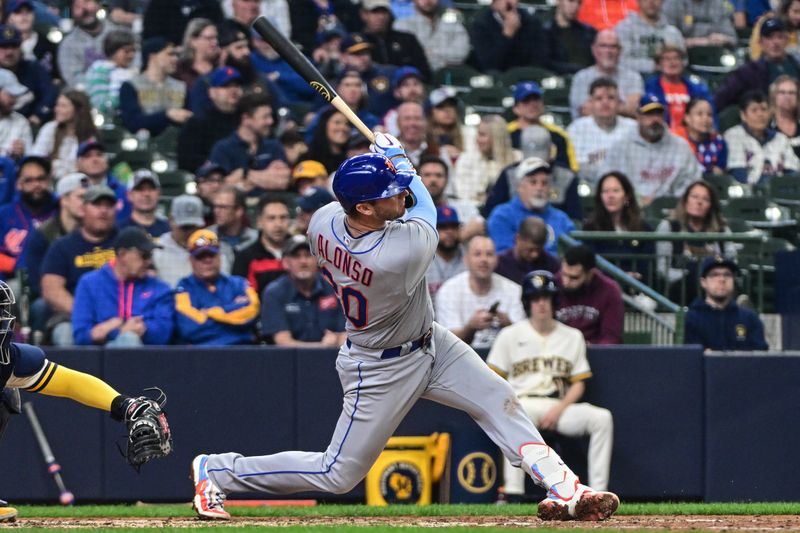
x=397, y=351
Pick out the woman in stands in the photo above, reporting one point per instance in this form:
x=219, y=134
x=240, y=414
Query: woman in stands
x=783, y=101
x=71, y=125
x=707, y=144
x=616, y=209
x=200, y=51
x=479, y=165
x=698, y=211
x=329, y=143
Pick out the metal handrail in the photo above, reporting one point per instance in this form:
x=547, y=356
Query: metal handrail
x=672, y=236
x=620, y=275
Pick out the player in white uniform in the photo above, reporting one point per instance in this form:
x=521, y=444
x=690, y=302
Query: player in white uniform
x=375, y=252
x=545, y=363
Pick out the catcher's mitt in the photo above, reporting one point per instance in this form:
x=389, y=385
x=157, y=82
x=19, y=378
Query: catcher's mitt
x=149, y=436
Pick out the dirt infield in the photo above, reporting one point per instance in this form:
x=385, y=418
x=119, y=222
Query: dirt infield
x=675, y=523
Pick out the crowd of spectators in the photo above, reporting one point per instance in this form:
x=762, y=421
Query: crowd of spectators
x=228, y=252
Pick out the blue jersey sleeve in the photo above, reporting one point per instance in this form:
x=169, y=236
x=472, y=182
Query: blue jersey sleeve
x=26, y=360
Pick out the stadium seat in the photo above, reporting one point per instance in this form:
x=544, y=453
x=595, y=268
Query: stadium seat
x=488, y=100
x=660, y=207
x=455, y=76
x=786, y=187
x=711, y=60
x=517, y=74
x=136, y=159
x=720, y=183
x=173, y=182
x=752, y=208
x=728, y=118
x=165, y=143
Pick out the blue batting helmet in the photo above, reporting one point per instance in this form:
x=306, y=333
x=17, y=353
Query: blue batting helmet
x=368, y=177
x=538, y=283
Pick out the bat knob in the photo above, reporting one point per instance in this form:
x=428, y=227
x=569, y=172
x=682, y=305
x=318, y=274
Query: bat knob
x=66, y=498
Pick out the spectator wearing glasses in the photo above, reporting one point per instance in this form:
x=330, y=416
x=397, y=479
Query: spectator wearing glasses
x=230, y=224
x=300, y=307
x=784, y=103
x=172, y=259
x=154, y=100
x=213, y=308
x=209, y=179
x=716, y=322
x=32, y=206
x=122, y=303
x=200, y=51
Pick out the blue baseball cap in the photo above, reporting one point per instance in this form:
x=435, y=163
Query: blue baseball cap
x=446, y=215
x=405, y=72
x=16, y=5
x=314, y=198
x=355, y=43
x=717, y=261
x=223, y=76
x=9, y=35
x=650, y=102
x=524, y=89
x=88, y=145
x=265, y=159
x=772, y=25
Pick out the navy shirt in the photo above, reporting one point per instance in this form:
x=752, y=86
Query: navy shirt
x=284, y=308
x=156, y=229
x=515, y=269
x=232, y=152
x=72, y=256
x=731, y=328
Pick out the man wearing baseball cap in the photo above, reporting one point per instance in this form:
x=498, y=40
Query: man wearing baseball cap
x=449, y=258
x=209, y=180
x=760, y=72
x=300, y=307
x=312, y=199
x=218, y=121
x=308, y=173
x=15, y=131
x=38, y=104
x=92, y=162
x=356, y=53
x=213, y=308
x=658, y=162
x=532, y=199
x=391, y=47
x=144, y=191
x=716, y=321
x=122, y=303
x=172, y=260
x=69, y=258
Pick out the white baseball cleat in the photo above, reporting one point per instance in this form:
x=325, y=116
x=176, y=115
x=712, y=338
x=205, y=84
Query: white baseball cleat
x=585, y=504
x=208, y=501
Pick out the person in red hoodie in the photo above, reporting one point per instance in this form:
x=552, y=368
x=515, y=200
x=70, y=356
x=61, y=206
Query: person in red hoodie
x=589, y=300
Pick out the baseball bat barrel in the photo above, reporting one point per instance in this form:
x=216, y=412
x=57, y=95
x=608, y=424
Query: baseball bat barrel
x=301, y=64
x=65, y=496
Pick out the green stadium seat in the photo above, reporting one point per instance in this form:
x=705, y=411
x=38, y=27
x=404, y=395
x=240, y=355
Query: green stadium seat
x=728, y=118
x=455, y=76
x=165, y=143
x=488, y=100
x=173, y=182
x=136, y=159
x=517, y=74
x=637, y=337
x=720, y=183
x=711, y=60
x=659, y=208
x=786, y=187
x=751, y=208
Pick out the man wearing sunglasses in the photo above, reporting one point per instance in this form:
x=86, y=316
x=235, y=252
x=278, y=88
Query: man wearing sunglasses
x=122, y=303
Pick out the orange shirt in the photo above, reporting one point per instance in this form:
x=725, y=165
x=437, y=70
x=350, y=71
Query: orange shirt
x=677, y=96
x=604, y=14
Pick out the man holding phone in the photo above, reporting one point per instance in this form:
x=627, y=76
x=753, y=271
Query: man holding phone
x=505, y=36
x=477, y=303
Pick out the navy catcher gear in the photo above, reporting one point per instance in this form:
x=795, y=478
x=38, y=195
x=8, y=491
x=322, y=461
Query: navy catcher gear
x=368, y=177
x=7, y=321
x=538, y=283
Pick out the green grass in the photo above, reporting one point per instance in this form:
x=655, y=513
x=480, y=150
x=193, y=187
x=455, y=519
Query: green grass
x=183, y=510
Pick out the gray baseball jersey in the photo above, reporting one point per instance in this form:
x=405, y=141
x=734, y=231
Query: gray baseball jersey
x=379, y=277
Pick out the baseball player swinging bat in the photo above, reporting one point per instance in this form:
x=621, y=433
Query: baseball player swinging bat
x=308, y=71
x=65, y=497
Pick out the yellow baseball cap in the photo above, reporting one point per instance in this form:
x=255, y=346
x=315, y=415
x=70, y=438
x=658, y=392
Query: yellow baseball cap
x=203, y=240
x=309, y=169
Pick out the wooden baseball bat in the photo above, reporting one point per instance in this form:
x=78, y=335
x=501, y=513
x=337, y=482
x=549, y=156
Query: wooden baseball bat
x=300, y=63
x=65, y=496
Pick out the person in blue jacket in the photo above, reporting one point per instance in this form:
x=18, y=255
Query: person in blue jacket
x=213, y=308
x=122, y=303
x=532, y=200
x=716, y=321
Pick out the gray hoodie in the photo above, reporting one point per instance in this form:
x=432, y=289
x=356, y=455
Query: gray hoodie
x=172, y=260
x=640, y=41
